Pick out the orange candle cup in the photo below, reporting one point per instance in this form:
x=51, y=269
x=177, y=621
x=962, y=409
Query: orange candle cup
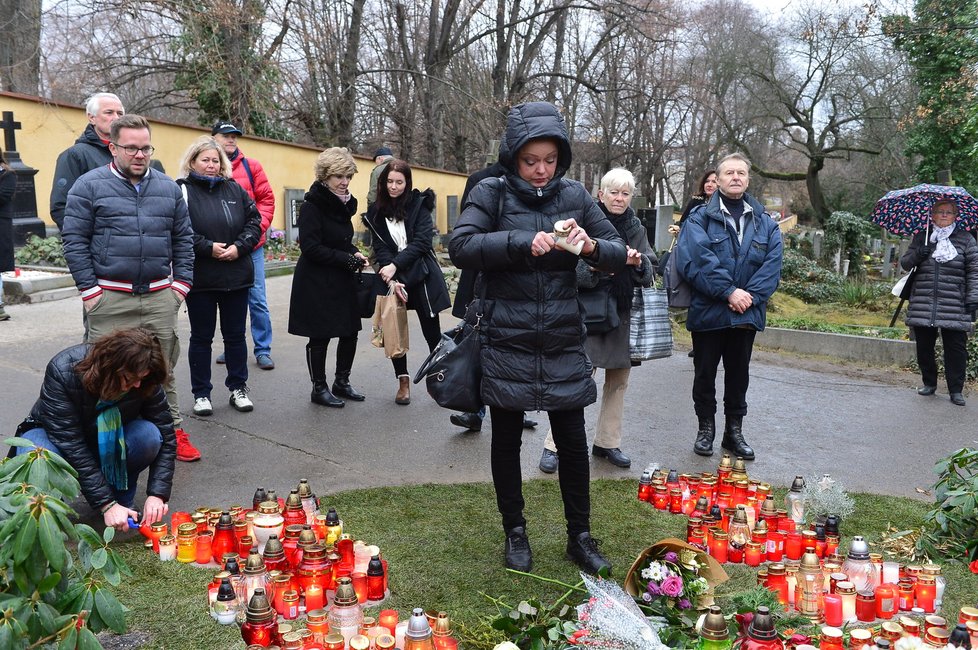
x=388, y=619
x=315, y=597
x=203, y=555
x=360, y=585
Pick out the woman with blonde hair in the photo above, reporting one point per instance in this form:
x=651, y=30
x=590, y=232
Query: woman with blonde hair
x=324, y=303
x=227, y=226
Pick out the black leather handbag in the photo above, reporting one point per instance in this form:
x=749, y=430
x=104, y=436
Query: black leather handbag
x=368, y=287
x=453, y=370
x=600, y=310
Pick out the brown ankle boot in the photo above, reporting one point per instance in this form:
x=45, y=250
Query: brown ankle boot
x=403, y=390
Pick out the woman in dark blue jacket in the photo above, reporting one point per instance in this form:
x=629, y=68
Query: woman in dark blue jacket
x=227, y=227
x=532, y=334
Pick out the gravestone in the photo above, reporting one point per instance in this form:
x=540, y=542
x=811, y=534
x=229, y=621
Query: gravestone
x=817, y=245
x=25, y=219
x=293, y=201
x=664, y=217
x=453, y=206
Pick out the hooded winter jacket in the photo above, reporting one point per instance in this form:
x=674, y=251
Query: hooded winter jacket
x=941, y=291
x=67, y=413
x=715, y=263
x=532, y=331
x=249, y=174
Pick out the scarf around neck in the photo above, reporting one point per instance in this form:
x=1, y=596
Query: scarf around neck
x=945, y=250
x=112, y=444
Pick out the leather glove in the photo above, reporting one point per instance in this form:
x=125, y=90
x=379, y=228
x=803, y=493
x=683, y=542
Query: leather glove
x=354, y=263
x=923, y=253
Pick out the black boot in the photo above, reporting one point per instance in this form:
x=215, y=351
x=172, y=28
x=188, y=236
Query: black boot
x=342, y=387
x=704, y=436
x=316, y=362
x=583, y=549
x=733, y=438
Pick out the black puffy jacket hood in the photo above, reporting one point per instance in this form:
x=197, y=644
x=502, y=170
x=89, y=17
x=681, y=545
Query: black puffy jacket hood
x=534, y=121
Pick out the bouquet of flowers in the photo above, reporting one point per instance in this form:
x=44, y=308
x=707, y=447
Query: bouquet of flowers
x=673, y=576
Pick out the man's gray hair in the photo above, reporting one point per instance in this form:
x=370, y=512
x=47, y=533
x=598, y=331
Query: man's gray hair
x=94, y=102
x=734, y=156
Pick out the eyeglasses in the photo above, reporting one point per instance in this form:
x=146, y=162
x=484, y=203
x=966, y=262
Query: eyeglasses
x=131, y=150
x=945, y=213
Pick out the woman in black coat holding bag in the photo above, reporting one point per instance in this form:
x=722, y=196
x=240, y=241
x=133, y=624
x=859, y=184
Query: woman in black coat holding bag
x=324, y=303
x=401, y=224
x=944, y=297
x=532, y=332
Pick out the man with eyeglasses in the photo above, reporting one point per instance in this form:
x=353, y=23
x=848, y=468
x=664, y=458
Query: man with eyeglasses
x=126, y=229
x=91, y=150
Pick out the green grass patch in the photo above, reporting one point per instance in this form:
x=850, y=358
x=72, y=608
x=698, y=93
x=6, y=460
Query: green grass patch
x=444, y=545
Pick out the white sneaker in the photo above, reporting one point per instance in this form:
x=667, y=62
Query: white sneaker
x=202, y=406
x=240, y=401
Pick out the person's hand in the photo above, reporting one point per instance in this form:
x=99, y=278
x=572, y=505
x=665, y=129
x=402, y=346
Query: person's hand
x=673, y=230
x=400, y=291
x=217, y=249
x=154, y=510
x=924, y=252
x=739, y=301
x=577, y=234
x=89, y=305
x=229, y=254
x=543, y=243
x=632, y=257
x=116, y=516
x=387, y=272
x=360, y=256
x=179, y=296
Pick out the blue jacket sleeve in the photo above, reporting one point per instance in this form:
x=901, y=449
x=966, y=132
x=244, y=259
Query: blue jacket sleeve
x=698, y=263
x=764, y=282
x=182, y=239
x=79, y=224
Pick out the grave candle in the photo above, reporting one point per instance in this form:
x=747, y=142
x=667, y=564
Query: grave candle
x=866, y=607
x=847, y=591
x=833, y=610
x=314, y=597
x=388, y=619
x=753, y=554
x=926, y=593
x=886, y=601
x=792, y=546
x=891, y=572
x=168, y=548
x=775, y=548
x=860, y=639
x=718, y=546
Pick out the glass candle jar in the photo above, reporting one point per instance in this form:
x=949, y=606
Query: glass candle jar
x=866, y=607
x=832, y=604
x=225, y=606
x=375, y=579
x=168, y=548
x=777, y=581
x=268, y=522
x=775, y=545
x=224, y=541
x=905, y=595
x=886, y=601
x=313, y=569
x=316, y=621
x=966, y=614
x=753, y=554
x=645, y=487
x=334, y=641
x=675, y=501
x=925, y=593
x=830, y=638
x=187, y=543
x=911, y=626
x=891, y=631
x=345, y=614
x=660, y=497
x=260, y=624
x=847, y=591
x=860, y=639
x=388, y=619
x=934, y=570
x=718, y=546
x=290, y=600
x=157, y=529
x=792, y=546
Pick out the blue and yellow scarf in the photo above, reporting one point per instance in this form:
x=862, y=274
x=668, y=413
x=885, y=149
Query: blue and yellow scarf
x=112, y=444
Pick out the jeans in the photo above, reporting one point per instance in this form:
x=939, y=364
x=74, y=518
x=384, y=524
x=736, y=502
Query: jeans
x=572, y=453
x=955, y=356
x=261, y=320
x=734, y=346
x=202, y=307
x=143, y=442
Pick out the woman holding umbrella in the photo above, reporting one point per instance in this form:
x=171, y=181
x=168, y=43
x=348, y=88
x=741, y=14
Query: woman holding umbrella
x=944, y=296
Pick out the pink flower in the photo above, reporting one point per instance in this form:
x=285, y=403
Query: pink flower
x=672, y=586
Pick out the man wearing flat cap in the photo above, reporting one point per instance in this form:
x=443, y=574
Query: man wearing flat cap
x=249, y=174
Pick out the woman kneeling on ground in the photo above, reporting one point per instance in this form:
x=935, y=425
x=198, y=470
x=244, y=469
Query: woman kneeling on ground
x=102, y=409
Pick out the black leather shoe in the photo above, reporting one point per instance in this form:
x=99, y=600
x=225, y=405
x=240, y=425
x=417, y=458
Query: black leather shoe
x=321, y=395
x=583, y=549
x=957, y=398
x=704, y=436
x=518, y=554
x=342, y=388
x=733, y=439
x=548, y=461
x=528, y=423
x=927, y=390
x=470, y=421
x=614, y=456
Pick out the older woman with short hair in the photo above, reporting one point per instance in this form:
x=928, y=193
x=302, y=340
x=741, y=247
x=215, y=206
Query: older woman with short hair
x=610, y=350
x=227, y=227
x=944, y=297
x=324, y=303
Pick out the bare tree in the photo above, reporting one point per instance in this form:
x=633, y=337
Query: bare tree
x=20, y=25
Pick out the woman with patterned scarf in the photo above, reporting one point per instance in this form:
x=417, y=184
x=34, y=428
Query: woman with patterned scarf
x=102, y=409
x=944, y=297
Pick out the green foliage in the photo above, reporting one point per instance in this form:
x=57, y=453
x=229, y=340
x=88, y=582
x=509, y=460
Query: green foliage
x=806, y=280
x=847, y=231
x=970, y=370
x=46, y=596
x=276, y=246
x=41, y=251
x=943, y=52
x=813, y=325
x=950, y=530
x=865, y=295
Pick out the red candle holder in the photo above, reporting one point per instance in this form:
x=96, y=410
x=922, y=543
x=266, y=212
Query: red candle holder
x=388, y=619
x=792, y=545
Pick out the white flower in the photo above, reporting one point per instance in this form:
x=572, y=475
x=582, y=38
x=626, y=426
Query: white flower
x=507, y=645
x=909, y=643
x=655, y=572
x=646, y=574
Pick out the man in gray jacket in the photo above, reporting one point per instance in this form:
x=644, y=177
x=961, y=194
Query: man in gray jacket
x=126, y=229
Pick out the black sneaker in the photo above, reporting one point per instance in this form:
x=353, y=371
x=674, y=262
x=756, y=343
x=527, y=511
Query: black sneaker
x=583, y=549
x=518, y=554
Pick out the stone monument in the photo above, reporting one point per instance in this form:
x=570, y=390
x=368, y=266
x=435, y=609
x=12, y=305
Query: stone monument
x=25, y=219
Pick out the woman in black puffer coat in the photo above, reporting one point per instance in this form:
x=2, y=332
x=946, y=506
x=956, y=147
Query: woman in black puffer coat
x=533, y=334
x=401, y=228
x=944, y=296
x=227, y=227
x=87, y=389
x=324, y=301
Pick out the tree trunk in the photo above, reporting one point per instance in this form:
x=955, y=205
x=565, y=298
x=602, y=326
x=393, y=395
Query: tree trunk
x=20, y=46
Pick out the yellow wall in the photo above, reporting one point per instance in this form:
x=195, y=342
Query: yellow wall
x=49, y=128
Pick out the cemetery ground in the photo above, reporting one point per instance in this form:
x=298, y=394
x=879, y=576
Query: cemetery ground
x=405, y=479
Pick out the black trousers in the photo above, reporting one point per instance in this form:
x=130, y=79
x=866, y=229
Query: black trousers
x=346, y=352
x=955, y=356
x=430, y=329
x=733, y=346
x=572, y=453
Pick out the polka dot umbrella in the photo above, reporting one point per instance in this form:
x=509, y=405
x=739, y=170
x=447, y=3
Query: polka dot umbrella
x=905, y=212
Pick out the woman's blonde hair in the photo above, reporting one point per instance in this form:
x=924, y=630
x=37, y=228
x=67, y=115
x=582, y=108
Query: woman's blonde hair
x=200, y=145
x=335, y=161
x=616, y=179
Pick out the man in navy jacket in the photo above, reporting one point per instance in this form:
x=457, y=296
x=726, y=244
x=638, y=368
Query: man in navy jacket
x=730, y=253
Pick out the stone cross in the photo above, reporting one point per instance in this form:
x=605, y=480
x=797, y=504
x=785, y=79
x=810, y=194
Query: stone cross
x=8, y=126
